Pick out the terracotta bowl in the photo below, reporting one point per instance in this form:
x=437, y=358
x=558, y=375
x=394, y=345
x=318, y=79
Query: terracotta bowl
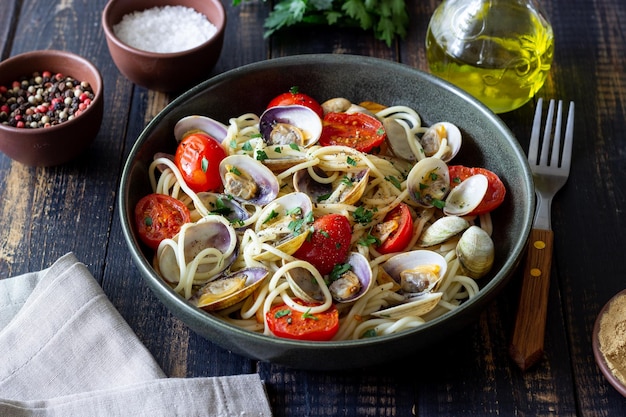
x=600, y=358
x=60, y=143
x=487, y=142
x=167, y=72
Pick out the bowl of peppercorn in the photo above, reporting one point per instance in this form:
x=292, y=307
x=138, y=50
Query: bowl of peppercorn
x=51, y=106
x=164, y=45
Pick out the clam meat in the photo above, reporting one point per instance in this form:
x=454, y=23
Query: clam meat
x=429, y=182
x=442, y=140
x=229, y=289
x=248, y=180
x=283, y=223
x=291, y=124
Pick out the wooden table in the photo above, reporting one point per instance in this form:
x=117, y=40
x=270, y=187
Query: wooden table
x=47, y=212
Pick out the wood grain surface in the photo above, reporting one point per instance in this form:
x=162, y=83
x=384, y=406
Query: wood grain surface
x=47, y=212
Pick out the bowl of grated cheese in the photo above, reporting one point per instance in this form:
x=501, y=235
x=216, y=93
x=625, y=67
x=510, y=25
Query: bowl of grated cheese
x=164, y=45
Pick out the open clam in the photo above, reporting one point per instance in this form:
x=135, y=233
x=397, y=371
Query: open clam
x=349, y=284
x=429, y=182
x=229, y=289
x=248, y=180
x=194, y=123
x=442, y=140
x=283, y=224
x=354, y=282
x=347, y=189
x=223, y=205
x=418, y=274
x=466, y=196
x=211, y=239
x=292, y=124
x=475, y=251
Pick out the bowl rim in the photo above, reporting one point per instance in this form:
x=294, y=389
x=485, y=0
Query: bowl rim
x=178, y=303
x=107, y=27
x=597, y=351
x=57, y=53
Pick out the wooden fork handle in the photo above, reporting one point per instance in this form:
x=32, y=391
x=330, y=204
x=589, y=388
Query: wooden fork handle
x=530, y=323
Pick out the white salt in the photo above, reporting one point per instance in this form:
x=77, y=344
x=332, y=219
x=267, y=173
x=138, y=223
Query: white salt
x=165, y=29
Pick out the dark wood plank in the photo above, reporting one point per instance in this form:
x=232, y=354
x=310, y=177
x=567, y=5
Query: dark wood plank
x=47, y=212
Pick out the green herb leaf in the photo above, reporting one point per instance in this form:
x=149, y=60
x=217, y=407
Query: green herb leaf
x=307, y=315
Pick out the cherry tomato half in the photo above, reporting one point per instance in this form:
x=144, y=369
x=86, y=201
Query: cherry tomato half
x=356, y=130
x=198, y=158
x=296, y=97
x=285, y=322
x=396, y=230
x=328, y=244
x=495, y=189
x=159, y=216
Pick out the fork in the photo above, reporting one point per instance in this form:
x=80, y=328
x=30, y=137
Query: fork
x=550, y=166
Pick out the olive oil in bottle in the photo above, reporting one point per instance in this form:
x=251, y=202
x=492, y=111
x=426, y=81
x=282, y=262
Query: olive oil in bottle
x=499, y=51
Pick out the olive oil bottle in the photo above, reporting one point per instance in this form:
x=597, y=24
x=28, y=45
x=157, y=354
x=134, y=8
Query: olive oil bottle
x=499, y=51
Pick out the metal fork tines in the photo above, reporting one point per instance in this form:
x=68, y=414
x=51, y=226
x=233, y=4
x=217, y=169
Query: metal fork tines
x=549, y=158
x=551, y=167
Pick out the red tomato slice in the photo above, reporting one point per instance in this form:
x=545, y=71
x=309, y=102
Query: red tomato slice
x=398, y=226
x=295, y=97
x=198, y=158
x=159, y=216
x=328, y=244
x=285, y=322
x=495, y=190
x=356, y=130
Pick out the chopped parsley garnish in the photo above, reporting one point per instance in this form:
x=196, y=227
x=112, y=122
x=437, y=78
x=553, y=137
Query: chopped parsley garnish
x=221, y=208
x=351, y=161
x=396, y=182
x=347, y=181
x=205, y=164
x=339, y=270
x=247, y=146
x=282, y=313
x=368, y=240
x=270, y=216
x=323, y=197
x=261, y=155
x=307, y=315
x=294, y=146
x=235, y=171
x=278, y=149
x=362, y=215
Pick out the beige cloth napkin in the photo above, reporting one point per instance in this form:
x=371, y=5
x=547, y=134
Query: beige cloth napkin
x=66, y=351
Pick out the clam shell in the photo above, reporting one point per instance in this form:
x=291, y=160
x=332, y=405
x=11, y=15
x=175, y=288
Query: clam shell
x=229, y=289
x=194, y=123
x=475, y=251
x=416, y=306
x=361, y=269
x=276, y=218
x=432, y=138
x=428, y=181
x=276, y=125
x=397, y=264
x=223, y=205
x=466, y=196
x=250, y=171
x=350, y=194
x=208, y=232
x=441, y=230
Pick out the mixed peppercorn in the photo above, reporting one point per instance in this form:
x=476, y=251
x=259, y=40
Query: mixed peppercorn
x=43, y=100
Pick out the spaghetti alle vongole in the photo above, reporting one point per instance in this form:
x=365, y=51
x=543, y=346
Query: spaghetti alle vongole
x=242, y=243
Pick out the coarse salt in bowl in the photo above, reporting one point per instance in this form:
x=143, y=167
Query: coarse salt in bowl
x=164, y=45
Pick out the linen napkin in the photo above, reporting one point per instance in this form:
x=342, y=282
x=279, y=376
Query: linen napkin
x=66, y=351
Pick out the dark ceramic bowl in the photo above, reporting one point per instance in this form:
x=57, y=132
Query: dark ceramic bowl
x=487, y=143
x=60, y=143
x=167, y=72
x=599, y=354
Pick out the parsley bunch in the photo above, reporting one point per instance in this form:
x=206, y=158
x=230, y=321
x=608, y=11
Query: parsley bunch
x=387, y=18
